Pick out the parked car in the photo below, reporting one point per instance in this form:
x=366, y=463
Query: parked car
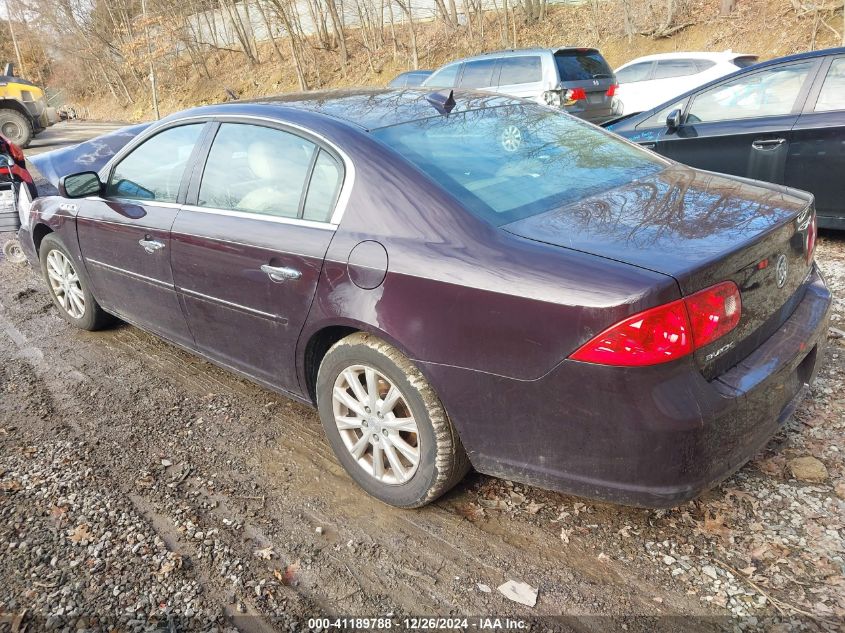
x=782, y=121
x=577, y=80
x=648, y=81
x=480, y=280
x=410, y=79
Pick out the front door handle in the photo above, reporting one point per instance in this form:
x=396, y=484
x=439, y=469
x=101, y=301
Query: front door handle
x=281, y=273
x=648, y=145
x=770, y=143
x=151, y=246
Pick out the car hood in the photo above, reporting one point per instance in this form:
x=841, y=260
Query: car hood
x=679, y=221
x=91, y=155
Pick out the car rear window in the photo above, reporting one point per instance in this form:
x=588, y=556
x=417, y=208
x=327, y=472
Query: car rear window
x=511, y=162
x=520, y=70
x=667, y=68
x=578, y=65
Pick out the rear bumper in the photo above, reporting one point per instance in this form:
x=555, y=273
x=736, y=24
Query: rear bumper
x=654, y=436
x=831, y=221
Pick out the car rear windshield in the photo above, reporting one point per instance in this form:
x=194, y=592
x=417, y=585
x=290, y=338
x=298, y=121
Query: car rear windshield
x=579, y=65
x=511, y=162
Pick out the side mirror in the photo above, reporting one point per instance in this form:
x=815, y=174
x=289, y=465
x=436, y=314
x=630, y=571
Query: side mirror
x=6, y=161
x=673, y=121
x=86, y=183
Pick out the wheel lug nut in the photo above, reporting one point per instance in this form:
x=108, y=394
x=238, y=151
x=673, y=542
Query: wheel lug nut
x=364, y=423
x=375, y=436
x=384, y=432
x=367, y=409
x=380, y=414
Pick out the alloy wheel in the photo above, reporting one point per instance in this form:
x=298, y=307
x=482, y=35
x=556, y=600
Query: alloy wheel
x=64, y=281
x=376, y=424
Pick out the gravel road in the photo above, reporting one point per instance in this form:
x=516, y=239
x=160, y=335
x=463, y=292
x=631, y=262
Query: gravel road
x=143, y=489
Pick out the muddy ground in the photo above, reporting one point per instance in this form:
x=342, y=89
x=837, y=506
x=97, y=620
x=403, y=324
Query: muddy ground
x=144, y=489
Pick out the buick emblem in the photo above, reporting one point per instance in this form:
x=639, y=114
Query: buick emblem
x=780, y=270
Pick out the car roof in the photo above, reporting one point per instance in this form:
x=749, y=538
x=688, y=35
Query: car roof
x=366, y=109
x=518, y=52
x=637, y=118
x=723, y=55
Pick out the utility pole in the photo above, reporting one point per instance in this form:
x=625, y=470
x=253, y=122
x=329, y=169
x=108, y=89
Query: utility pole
x=14, y=38
x=153, y=83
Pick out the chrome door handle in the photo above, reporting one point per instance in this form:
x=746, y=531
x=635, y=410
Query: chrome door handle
x=281, y=273
x=648, y=145
x=151, y=246
x=768, y=143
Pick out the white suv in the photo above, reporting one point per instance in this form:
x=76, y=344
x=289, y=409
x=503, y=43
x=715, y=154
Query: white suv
x=648, y=81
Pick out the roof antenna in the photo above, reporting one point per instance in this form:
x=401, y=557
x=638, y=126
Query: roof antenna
x=444, y=103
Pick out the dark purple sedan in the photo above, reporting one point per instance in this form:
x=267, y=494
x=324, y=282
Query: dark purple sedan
x=454, y=282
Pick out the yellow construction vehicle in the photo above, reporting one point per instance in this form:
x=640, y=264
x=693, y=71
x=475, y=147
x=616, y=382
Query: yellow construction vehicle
x=23, y=108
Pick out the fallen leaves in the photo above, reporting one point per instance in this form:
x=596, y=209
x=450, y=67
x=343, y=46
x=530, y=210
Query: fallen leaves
x=266, y=553
x=81, y=533
x=172, y=562
x=10, y=485
x=288, y=576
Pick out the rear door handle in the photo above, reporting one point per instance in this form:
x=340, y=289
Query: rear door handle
x=151, y=246
x=770, y=143
x=648, y=145
x=281, y=273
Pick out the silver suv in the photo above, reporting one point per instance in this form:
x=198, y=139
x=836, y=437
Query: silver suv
x=577, y=80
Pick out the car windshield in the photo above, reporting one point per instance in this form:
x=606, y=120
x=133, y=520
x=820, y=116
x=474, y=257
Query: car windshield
x=511, y=162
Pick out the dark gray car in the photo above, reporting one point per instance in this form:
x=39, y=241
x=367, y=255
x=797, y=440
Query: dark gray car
x=577, y=80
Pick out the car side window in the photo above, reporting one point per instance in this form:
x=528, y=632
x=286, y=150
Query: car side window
x=770, y=92
x=832, y=95
x=256, y=169
x=478, y=74
x=704, y=64
x=323, y=188
x=520, y=70
x=667, y=68
x=634, y=73
x=443, y=78
x=153, y=170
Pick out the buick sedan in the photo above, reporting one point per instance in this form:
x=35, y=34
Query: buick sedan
x=453, y=281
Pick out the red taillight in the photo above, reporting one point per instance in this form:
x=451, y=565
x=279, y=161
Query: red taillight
x=713, y=312
x=575, y=94
x=612, y=90
x=667, y=332
x=15, y=151
x=812, y=233
x=654, y=336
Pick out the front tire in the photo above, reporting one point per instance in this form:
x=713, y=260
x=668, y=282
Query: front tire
x=386, y=424
x=69, y=288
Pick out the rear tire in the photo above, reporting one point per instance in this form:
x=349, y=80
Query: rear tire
x=15, y=127
x=69, y=288
x=408, y=453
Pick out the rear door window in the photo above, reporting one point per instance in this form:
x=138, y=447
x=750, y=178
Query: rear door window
x=580, y=65
x=520, y=70
x=634, y=73
x=832, y=96
x=153, y=171
x=478, y=74
x=667, y=68
x=257, y=170
x=323, y=188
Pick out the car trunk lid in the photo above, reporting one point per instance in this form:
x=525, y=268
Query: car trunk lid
x=700, y=228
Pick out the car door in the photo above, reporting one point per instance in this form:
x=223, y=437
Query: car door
x=124, y=236
x=634, y=91
x=742, y=126
x=817, y=148
x=248, y=251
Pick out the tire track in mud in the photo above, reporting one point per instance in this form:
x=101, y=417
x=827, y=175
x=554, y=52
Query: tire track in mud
x=371, y=559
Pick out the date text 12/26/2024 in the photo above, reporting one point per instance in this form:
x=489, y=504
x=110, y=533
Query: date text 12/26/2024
x=418, y=624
